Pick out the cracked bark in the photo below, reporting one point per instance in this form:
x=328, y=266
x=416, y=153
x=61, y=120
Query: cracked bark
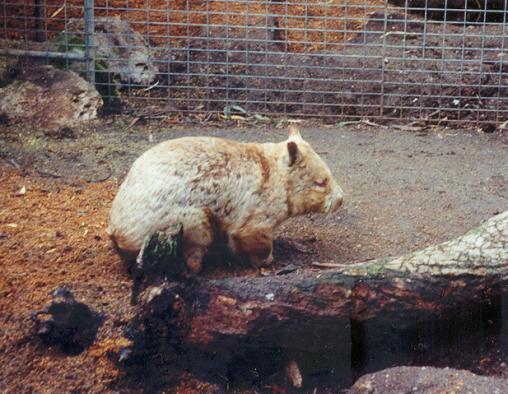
x=312, y=309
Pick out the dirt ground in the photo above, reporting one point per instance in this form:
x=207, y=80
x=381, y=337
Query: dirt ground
x=404, y=191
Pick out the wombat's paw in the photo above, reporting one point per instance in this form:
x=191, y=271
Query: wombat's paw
x=260, y=262
x=253, y=244
x=195, y=262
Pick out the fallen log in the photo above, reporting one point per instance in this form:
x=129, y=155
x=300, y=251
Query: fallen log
x=315, y=310
x=427, y=380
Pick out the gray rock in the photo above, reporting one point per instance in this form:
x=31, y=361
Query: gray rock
x=121, y=50
x=49, y=98
x=427, y=380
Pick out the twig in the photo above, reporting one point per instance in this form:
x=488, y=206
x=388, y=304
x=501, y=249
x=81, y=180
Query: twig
x=110, y=172
x=46, y=173
x=372, y=124
x=151, y=87
x=389, y=33
x=14, y=164
x=208, y=117
x=480, y=13
x=327, y=265
x=432, y=114
x=408, y=128
x=133, y=121
x=426, y=118
x=57, y=12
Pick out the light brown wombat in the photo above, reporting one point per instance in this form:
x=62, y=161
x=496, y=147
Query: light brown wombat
x=221, y=190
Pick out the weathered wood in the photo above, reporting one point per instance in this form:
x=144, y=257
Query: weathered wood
x=314, y=305
x=427, y=380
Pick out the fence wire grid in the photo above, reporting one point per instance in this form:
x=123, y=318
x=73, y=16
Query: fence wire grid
x=403, y=61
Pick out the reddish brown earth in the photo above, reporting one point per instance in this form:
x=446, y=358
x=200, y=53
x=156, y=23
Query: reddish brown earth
x=169, y=21
x=51, y=235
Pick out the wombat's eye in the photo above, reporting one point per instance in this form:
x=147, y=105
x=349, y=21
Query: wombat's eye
x=321, y=182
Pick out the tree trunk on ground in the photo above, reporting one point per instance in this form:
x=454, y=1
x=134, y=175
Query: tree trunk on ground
x=328, y=318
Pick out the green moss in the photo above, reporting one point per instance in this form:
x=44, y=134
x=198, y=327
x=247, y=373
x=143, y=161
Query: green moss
x=161, y=251
x=69, y=43
x=376, y=268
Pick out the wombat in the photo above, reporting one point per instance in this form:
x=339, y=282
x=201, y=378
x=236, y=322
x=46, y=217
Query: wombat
x=221, y=191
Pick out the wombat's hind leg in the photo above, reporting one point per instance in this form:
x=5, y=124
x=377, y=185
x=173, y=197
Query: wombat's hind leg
x=253, y=243
x=197, y=238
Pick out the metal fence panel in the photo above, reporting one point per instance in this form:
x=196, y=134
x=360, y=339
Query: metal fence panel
x=406, y=60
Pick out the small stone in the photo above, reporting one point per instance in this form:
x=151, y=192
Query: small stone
x=270, y=296
x=287, y=269
x=21, y=192
x=294, y=375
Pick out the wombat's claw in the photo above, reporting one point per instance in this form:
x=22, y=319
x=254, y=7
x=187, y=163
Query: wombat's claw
x=125, y=355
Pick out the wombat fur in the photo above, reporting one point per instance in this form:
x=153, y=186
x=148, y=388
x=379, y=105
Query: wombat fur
x=221, y=191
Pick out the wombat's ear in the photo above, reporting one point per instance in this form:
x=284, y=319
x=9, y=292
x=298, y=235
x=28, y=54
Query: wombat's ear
x=294, y=133
x=293, y=152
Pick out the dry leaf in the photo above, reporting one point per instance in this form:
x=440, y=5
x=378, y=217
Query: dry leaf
x=21, y=192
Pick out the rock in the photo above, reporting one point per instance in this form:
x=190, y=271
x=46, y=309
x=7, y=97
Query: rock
x=427, y=380
x=68, y=323
x=122, y=51
x=49, y=98
x=293, y=374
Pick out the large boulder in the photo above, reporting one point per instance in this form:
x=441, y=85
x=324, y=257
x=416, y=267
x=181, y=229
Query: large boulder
x=427, y=380
x=120, y=50
x=49, y=98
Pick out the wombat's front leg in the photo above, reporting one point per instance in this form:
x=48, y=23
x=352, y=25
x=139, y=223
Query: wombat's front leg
x=197, y=238
x=254, y=244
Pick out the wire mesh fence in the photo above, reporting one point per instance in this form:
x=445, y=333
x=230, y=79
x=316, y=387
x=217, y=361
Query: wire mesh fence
x=402, y=61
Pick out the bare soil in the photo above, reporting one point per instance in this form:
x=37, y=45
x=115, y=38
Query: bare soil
x=404, y=191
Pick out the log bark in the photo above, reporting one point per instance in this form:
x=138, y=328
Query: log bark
x=314, y=309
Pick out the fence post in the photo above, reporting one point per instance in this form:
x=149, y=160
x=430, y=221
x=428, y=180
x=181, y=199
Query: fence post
x=383, y=57
x=89, y=41
x=38, y=21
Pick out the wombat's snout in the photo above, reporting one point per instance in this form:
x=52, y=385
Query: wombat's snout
x=336, y=197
